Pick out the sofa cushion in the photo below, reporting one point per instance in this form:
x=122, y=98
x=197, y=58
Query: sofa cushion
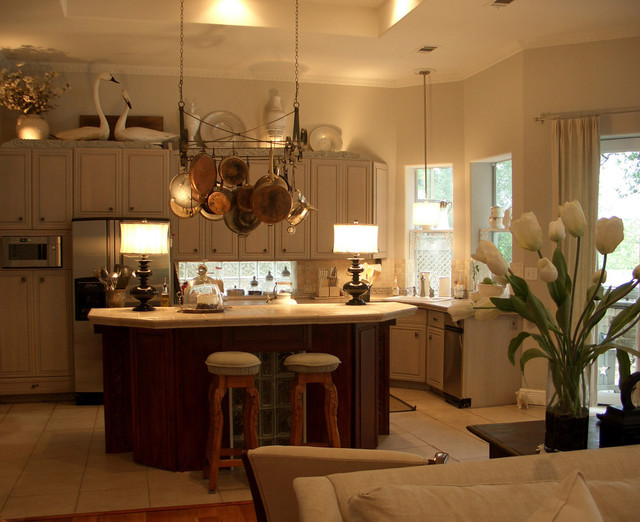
x=570, y=501
x=481, y=502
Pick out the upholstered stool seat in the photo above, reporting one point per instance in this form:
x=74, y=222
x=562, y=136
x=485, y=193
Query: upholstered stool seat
x=313, y=368
x=230, y=370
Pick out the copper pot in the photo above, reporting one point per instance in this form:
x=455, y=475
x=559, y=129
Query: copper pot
x=271, y=201
x=233, y=171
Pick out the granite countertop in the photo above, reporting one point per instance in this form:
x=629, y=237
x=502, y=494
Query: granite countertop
x=254, y=315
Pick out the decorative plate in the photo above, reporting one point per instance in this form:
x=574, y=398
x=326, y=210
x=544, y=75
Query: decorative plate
x=221, y=126
x=325, y=139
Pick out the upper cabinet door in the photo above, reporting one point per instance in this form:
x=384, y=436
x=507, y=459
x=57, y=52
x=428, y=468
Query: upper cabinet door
x=381, y=207
x=97, y=182
x=358, y=191
x=146, y=183
x=52, y=182
x=327, y=196
x=15, y=196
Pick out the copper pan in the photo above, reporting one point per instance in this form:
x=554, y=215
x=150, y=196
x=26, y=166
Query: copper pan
x=202, y=174
x=271, y=201
x=220, y=200
x=233, y=171
x=243, y=197
x=240, y=221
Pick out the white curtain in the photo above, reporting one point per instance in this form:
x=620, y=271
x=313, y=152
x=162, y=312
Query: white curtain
x=576, y=170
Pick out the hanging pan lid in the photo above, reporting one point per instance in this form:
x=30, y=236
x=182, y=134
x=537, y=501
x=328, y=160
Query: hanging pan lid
x=202, y=173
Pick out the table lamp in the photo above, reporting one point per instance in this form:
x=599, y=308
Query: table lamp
x=143, y=239
x=355, y=239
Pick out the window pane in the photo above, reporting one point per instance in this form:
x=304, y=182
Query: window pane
x=502, y=196
x=421, y=194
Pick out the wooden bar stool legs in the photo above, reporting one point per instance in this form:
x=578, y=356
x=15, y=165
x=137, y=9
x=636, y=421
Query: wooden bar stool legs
x=313, y=368
x=230, y=370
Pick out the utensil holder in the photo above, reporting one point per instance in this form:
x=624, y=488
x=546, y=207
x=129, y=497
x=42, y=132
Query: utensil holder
x=115, y=298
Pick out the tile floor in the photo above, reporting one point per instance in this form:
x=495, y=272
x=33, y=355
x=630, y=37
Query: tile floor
x=52, y=458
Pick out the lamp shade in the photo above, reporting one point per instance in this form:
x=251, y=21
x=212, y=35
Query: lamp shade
x=355, y=238
x=144, y=238
x=426, y=213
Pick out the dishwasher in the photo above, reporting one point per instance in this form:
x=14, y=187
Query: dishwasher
x=453, y=350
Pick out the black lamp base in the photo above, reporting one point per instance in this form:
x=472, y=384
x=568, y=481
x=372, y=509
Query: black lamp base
x=143, y=292
x=355, y=288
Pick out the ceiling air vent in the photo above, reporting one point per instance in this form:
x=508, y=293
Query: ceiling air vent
x=501, y=3
x=426, y=49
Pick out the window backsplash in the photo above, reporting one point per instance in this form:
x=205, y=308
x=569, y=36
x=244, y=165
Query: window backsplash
x=239, y=274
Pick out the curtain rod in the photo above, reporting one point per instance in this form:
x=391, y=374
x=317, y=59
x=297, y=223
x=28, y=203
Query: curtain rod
x=543, y=118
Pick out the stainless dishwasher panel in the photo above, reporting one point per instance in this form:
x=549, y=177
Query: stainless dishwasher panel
x=453, y=352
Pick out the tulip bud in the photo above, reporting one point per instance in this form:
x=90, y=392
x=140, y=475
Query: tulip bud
x=596, y=277
x=484, y=251
x=636, y=272
x=573, y=218
x=547, y=270
x=497, y=264
x=460, y=310
x=527, y=231
x=609, y=234
x=556, y=230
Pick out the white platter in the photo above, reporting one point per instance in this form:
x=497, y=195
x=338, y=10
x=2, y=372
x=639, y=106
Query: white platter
x=326, y=139
x=221, y=126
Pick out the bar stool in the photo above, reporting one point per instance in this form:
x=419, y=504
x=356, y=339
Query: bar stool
x=230, y=370
x=313, y=368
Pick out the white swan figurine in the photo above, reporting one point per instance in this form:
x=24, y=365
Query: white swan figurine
x=123, y=133
x=91, y=133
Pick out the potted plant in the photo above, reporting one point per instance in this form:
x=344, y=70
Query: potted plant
x=564, y=337
x=32, y=96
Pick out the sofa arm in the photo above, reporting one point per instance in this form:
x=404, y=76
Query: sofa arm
x=271, y=470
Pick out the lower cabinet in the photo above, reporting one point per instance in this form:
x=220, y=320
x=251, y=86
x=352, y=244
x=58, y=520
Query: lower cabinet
x=407, y=352
x=35, y=332
x=435, y=350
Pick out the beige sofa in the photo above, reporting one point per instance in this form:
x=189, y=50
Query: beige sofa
x=602, y=484
x=509, y=489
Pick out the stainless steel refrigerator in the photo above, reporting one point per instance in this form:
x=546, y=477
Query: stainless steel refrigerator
x=96, y=244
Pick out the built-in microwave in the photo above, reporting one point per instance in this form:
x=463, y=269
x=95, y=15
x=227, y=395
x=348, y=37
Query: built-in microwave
x=31, y=252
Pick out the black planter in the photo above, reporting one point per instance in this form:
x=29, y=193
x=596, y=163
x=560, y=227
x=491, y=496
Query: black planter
x=564, y=432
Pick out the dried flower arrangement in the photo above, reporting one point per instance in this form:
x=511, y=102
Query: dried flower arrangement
x=29, y=94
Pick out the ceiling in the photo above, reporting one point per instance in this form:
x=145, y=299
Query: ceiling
x=351, y=42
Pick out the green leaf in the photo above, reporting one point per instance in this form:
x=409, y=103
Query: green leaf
x=519, y=286
x=563, y=314
x=503, y=304
x=560, y=263
x=625, y=316
x=515, y=344
x=531, y=353
x=521, y=308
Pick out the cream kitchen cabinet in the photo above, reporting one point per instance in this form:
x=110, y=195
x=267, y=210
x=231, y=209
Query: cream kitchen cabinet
x=435, y=349
x=38, y=189
x=407, y=348
x=198, y=239
x=344, y=191
x=121, y=183
x=35, y=333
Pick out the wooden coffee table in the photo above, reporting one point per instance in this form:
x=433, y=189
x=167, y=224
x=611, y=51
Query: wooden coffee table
x=509, y=439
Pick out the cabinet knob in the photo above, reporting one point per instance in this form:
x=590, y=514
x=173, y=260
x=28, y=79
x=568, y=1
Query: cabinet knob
x=284, y=249
x=416, y=334
x=195, y=250
x=430, y=337
x=42, y=280
x=110, y=208
x=41, y=219
x=214, y=250
x=130, y=208
x=23, y=279
x=20, y=218
x=264, y=250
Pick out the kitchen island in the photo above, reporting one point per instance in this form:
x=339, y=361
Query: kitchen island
x=156, y=381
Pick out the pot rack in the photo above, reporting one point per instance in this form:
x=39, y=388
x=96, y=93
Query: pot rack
x=289, y=153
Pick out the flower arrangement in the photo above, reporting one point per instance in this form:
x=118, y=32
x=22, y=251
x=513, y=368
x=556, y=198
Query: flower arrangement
x=29, y=94
x=564, y=337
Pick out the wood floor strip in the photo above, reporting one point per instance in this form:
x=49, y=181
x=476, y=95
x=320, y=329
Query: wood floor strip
x=225, y=512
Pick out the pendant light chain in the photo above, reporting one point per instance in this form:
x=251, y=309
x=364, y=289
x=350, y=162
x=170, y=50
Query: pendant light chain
x=180, y=82
x=295, y=101
x=424, y=93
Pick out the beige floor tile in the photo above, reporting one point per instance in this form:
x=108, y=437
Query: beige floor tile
x=13, y=451
x=54, y=464
x=40, y=505
x=113, y=462
x=232, y=478
x=34, y=484
x=13, y=467
x=112, y=499
x=99, y=480
x=182, y=495
x=236, y=495
x=159, y=478
x=398, y=441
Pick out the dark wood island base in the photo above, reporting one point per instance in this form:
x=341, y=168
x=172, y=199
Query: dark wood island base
x=156, y=383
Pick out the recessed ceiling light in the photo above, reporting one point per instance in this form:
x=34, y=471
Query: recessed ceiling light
x=426, y=49
x=500, y=3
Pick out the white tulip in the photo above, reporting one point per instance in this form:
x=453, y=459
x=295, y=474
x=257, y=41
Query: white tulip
x=596, y=277
x=609, y=234
x=486, y=310
x=527, y=231
x=573, y=218
x=460, y=310
x=484, y=251
x=636, y=272
x=556, y=230
x=497, y=264
x=547, y=270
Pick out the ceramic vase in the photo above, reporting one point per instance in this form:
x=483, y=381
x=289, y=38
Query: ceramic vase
x=495, y=219
x=32, y=127
x=274, y=119
x=567, y=409
x=192, y=122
